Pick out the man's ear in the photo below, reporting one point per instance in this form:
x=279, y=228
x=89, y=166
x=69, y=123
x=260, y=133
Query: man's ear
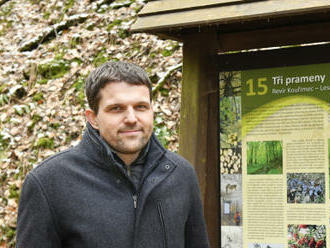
x=91, y=118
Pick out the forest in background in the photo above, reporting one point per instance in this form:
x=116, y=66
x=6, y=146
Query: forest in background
x=264, y=157
x=47, y=49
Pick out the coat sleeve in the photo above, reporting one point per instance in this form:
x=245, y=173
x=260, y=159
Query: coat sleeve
x=196, y=233
x=35, y=223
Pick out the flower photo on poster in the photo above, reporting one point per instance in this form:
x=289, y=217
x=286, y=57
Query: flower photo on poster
x=306, y=236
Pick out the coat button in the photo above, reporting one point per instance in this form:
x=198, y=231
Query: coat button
x=167, y=166
x=118, y=181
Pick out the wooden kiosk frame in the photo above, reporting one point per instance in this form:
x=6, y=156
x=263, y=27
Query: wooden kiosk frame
x=212, y=31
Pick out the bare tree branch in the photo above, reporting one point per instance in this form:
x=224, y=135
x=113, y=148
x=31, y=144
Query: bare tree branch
x=162, y=80
x=51, y=32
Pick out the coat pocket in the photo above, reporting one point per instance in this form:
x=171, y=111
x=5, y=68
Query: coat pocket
x=162, y=221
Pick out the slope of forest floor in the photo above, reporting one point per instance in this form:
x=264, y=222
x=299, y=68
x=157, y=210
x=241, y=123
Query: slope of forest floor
x=47, y=48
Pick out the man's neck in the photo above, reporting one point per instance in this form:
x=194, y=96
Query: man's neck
x=128, y=159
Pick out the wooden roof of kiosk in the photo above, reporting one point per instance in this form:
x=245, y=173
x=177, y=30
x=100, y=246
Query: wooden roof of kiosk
x=173, y=19
x=210, y=27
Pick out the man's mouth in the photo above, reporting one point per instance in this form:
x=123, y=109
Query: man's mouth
x=133, y=131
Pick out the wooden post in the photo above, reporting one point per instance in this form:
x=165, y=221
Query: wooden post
x=199, y=122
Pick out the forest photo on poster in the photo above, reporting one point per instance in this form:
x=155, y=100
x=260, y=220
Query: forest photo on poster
x=264, y=157
x=230, y=122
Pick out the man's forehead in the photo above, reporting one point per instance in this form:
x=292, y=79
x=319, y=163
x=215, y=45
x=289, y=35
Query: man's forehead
x=125, y=85
x=122, y=91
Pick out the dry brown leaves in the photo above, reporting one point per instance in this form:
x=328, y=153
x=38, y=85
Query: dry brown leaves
x=39, y=118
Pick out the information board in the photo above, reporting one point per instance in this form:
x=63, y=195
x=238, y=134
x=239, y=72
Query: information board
x=274, y=157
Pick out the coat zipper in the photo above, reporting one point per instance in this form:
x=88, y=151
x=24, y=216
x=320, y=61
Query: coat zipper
x=135, y=198
x=161, y=216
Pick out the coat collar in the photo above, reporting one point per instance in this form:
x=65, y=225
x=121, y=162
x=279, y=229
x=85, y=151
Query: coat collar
x=99, y=151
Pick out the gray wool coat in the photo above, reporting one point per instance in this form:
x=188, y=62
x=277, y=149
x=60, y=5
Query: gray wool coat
x=83, y=198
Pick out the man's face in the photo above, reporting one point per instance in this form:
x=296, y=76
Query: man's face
x=125, y=117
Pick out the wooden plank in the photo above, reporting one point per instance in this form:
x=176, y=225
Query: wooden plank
x=230, y=14
x=308, y=33
x=199, y=122
x=303, y=55
x=175, y=5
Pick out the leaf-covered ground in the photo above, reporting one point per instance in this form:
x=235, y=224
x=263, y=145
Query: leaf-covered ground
x=47, y=48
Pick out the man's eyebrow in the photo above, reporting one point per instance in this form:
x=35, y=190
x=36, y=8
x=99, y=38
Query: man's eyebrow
x=110, y=105
x=143, y=102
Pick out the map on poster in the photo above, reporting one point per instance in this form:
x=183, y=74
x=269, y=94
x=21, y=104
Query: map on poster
x=274, y=156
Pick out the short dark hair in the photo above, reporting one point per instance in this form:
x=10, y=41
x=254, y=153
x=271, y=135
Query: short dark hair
x=112, y=72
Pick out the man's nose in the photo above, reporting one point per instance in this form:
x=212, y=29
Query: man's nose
x=130, y=116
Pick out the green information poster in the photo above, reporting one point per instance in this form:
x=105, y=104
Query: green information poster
x=274, y=157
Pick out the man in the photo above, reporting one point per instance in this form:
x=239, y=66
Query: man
x=237, y=218
x=119, y=187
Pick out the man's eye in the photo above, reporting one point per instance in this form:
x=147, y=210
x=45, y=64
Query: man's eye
x=115, y=109
x=141, y=107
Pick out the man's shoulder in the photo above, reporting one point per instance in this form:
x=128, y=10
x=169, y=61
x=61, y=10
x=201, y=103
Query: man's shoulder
x=179, y=161
x=55, y=162
x=184, y=170
x=176, y=158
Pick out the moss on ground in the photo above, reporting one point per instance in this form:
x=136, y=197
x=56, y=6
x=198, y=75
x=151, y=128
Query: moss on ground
x=45, y=142
x=54, y=69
